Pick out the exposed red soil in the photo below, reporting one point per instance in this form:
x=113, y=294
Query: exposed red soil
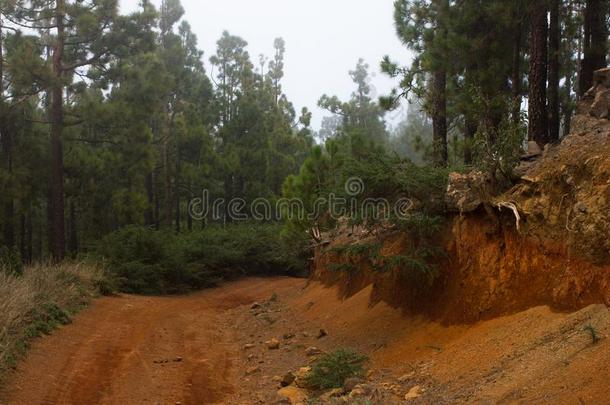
x=492, y=270
x=113, y=353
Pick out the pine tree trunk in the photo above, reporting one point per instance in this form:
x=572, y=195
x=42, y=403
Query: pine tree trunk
x=470, y=131
x=157, y=195
x=595, y=42
x=169, y=202
x=7, y=149
x=29, y=244
x=169, y=197
x=439, y=117
x=553, y=93
x=73, y=245
x=537, y=114
x=58, y=247
x=178, y=213
x=439, y=91
x=189, y=219
x=149, y=215
x=9, y=203
x=177, y=186
x=516, y=73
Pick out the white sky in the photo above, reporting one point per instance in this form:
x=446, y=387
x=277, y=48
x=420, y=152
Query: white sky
x=324, y=39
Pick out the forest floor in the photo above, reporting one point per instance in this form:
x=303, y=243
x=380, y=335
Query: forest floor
x=212, y=347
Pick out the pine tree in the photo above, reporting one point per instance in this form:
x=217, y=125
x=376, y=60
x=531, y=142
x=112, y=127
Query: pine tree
x=553, y=83
x=538, y=118
x=595, y=42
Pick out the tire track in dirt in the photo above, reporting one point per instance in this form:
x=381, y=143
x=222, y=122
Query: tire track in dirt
x=135, y=350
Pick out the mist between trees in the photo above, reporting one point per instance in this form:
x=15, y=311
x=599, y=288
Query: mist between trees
x=110, y=121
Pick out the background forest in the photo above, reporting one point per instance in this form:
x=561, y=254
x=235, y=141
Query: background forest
x=110, y=125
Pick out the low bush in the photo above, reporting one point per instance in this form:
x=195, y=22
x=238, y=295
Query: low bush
x=332, y=369
x=157, y=262
x=39, y=300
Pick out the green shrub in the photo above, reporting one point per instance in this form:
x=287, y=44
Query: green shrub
x=158, y=262
x=358, y=250
x=10, y=261
x=346, y=267
x=331, y=370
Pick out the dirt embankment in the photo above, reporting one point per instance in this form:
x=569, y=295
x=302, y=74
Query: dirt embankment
x=548, y=245
x=489, y=272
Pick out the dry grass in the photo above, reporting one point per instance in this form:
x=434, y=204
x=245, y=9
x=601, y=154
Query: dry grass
x=41, y=299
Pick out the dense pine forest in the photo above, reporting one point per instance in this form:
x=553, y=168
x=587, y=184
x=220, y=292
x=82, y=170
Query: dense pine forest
x=111, y=126
x=177, y=227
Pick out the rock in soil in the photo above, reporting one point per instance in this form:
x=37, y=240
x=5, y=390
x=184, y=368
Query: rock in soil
x=253, y=370
x=414, y=393
x=273, y=344
x=313, y=351
x=287, y=379
x=293, y=394
x=351, y=383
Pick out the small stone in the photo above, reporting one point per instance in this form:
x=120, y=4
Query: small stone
x=178, y=359
x=256, y=305
x=301, y=377
x=288, y=336
x=313, y=351
x=293, y=394
x=322, y=333
x=273, y=344
x=414, y=393
x=360, y=390
x=357, y=392
x=277, y=379
x=407, y=377
x=303, y=372
x=334, y=393
x=287, y=379
x=249, y=346
x=253, y=370
x=351, y=383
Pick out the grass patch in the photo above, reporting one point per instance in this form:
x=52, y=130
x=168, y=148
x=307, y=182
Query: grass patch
x=331, y=370
x=40, y=300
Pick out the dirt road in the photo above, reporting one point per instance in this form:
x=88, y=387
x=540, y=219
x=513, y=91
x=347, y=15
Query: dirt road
x=138, y=350
x=212, y=348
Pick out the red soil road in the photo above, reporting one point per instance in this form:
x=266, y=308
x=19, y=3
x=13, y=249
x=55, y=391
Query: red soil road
x=116, y=351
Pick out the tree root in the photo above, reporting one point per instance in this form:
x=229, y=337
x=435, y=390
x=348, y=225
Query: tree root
x=513, y=207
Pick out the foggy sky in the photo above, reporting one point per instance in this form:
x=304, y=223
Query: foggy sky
x=324, y=39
